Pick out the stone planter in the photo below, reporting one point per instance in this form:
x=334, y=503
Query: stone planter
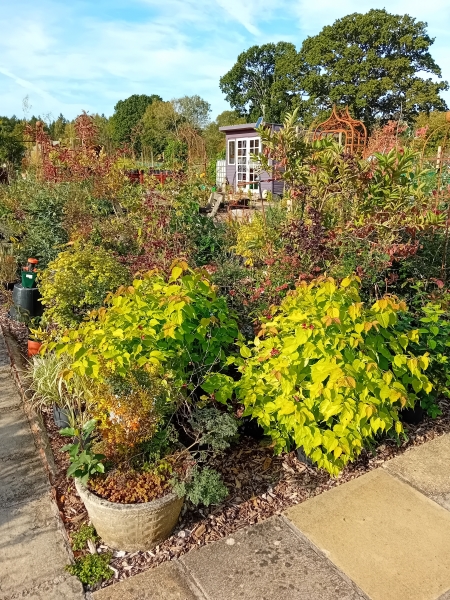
x=131, y=527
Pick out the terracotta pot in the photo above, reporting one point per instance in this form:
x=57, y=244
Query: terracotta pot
x=33, y=347
x=132, y=527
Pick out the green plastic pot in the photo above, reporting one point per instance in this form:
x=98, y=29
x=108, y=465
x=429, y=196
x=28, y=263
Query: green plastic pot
x=28, y=279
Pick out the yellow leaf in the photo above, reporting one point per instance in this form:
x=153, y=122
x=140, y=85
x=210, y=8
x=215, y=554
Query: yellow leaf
x=398, y=427
x=413, y=335
x=346, y=282
x=387, y=377
x=424, y=362
x=337, y=452
x=369, y=411
x=176, y=272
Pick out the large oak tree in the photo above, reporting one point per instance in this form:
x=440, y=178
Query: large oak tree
x=374, y=63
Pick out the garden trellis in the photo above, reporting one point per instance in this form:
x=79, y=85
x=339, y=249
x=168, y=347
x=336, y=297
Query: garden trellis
x=348, y=131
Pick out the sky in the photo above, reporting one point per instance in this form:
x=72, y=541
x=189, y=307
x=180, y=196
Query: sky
x=86, y=55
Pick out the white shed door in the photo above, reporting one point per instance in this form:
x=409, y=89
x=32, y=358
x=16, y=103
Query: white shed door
x=246, y=170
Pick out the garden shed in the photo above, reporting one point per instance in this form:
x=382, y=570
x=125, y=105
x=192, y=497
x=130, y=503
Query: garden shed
x=242, y=172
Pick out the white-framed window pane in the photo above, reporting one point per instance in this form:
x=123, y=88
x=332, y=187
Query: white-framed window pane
x=255, y=146
x=232, y=152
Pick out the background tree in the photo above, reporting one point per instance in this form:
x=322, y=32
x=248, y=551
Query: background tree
x=257, y=84
x=105, y=130
x=127, y=114
x=215, y=139
x=158, y=127
x=373, y=63
x=434, y=130
x=57, y=127
x=194, y=110
x=12, y=147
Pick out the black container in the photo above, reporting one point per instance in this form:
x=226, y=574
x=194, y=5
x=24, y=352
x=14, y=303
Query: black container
x=303, y=458
x=61, y=417
x=412, y=416
x=26, y=301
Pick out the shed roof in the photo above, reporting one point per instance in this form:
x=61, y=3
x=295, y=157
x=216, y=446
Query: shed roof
x=244, y=127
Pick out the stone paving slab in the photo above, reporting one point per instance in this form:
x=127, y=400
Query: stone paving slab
x=33, y=551
x=166, y=582
x=63, y=587
x=387, y=537
x=21, y=480
x=16, y=434
x=427, y=468
x=8, y=396
x=267, y=561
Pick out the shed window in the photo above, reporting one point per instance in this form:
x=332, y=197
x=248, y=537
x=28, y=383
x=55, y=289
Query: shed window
x=232, y=152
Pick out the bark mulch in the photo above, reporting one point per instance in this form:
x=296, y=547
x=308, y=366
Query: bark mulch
x=260, y=485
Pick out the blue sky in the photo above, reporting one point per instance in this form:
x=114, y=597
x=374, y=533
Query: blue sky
x=70, y=56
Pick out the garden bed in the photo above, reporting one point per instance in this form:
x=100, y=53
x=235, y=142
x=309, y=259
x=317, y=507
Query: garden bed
x=260, y=484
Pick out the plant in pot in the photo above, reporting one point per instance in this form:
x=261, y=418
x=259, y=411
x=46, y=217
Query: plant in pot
x=131, y=471
x=149, y=352
x=34, y=343
x=29, y=273
x=34, y=337
x=8, y=266
x=68, y=398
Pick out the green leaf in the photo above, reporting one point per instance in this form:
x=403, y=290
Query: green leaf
x=417, y=384
x=245, y=352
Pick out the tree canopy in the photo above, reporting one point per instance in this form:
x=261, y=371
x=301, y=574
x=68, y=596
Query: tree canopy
x=159, y=125
x=376, y=63
x=373, y=63
x=12, y=148
x=215, y=139
x=194, y=110
x=127, y=114
x=256, y=85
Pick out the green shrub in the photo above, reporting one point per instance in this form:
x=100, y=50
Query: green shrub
x=205, y=487
x=77, y=281
x=433, y=320
x=180, y=325
x=327, y=374
x=81, y=537
x=91, y=568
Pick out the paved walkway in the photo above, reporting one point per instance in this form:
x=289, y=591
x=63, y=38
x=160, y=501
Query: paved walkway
x=382, y=536
x=32, y=548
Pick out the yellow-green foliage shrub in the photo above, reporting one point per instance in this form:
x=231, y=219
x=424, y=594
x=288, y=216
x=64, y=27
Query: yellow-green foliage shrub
x=328, y=374
x=180, y=326
x=77, y=281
